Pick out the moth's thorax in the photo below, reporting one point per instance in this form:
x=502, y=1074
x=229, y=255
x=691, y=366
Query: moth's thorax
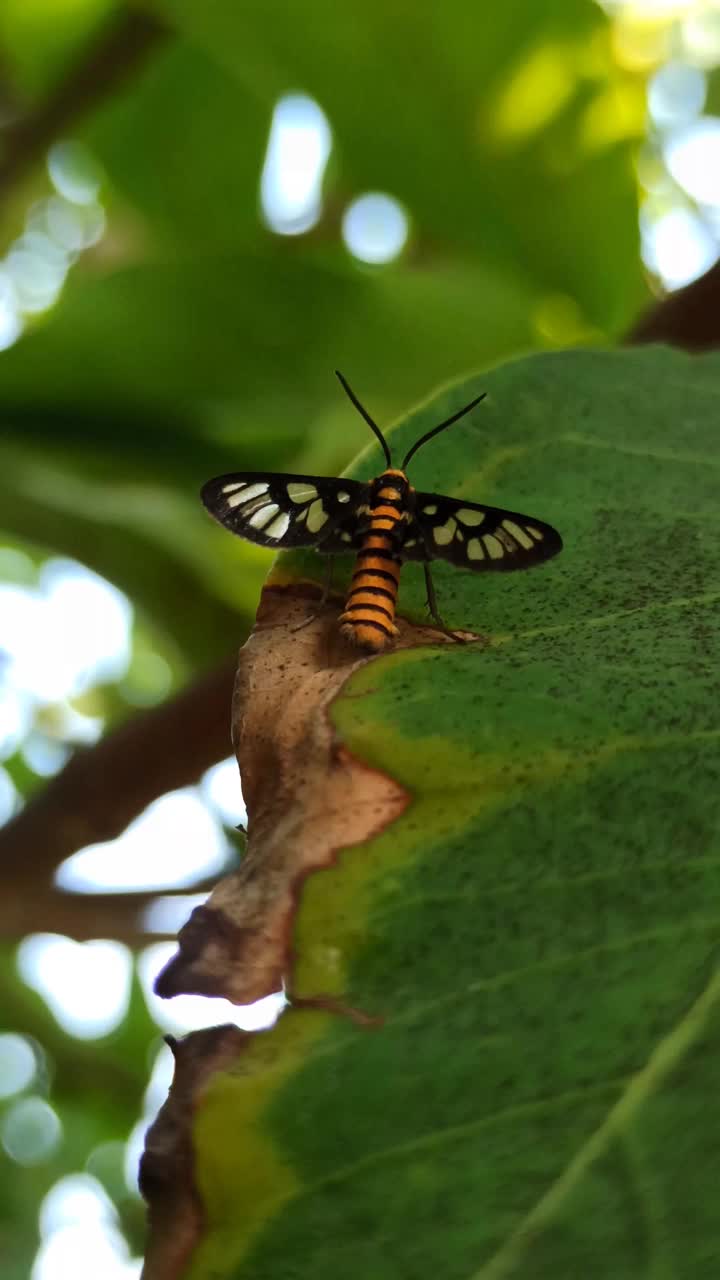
x=392, y=489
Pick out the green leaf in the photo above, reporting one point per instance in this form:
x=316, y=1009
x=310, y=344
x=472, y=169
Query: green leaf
x=418, y=108
x=191, y=297
x=538, y=929
x=40, y=38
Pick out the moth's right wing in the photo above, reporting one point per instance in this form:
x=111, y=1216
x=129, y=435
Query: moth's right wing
x=283, y=511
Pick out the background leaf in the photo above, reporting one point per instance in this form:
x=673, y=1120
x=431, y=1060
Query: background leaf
x=191, y=332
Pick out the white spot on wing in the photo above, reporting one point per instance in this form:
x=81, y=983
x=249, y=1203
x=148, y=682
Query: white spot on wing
x=537, y=535
x=470, y=517
x=493, y=547
x=237, y=484
x=301, y=491
x=518, y=534
x=445, y=532
x=509, y=543
x=430, y=510
x=260, y=518
x=342, y=496
x=475, y=549
x=317, y=516
x=279, y=526
x=247, y=492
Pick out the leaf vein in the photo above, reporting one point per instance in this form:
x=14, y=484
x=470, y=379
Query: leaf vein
x=661, y=1063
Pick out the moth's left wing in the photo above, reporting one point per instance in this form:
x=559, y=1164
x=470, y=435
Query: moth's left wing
x=283, y=511
x=474, y=536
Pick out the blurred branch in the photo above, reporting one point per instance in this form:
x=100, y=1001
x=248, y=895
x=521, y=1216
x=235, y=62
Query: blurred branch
x=117, y=52
x=689, y=318
x=77, y=915
x=102, y=788
x=84, y=916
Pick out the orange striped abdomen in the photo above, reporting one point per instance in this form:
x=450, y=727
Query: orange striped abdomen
x=369, y=616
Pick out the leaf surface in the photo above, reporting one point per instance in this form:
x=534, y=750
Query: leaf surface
x=538, y=928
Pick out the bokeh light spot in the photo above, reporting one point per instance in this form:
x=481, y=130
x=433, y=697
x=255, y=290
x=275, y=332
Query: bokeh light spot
x=693, y=157
x=297, y=154
x=640, y=37
x=677, y=247
x=616, y=113
x=375, y=228
x=10, y=318
x=37, y=276
x=148, y=680
x=169, y=912
x=700, y=35
x=16, y=566
x=74, y=172
x=86, y=985
x=35, y=267
x=73, y=227
x=66, y=635
x=676, y=94
x=77, y=1198
x=106, y=1163
x=221, y=788
x=9, y=795
x=155, y=1095
x=161, y=1075
x=17, y=1064
x=559, y=321
x=15, y=716
x=30, y=1131
x=174, y=843
x=86, y=1251
x=190, y=1013
x=45, y=756
x=535, y=93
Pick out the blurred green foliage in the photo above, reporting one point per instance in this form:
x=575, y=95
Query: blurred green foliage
x=191, y=339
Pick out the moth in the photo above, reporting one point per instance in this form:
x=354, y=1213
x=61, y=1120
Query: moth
x=384, y=522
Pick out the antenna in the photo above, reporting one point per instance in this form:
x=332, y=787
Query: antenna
x=436, y=430
x=372, y=425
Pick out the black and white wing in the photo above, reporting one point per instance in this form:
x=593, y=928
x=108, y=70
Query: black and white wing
x=473, y=536
x=283, y=511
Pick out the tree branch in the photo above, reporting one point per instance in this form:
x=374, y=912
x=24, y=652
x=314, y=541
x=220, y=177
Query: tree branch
x=116, y=52
x=689, y=318
x=83, y=916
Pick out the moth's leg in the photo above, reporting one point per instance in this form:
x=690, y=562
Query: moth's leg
x=432, y=606
x=431, y=597
x=327, y=586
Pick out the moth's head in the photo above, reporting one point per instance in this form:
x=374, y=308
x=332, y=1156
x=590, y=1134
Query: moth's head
x=393, y=484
